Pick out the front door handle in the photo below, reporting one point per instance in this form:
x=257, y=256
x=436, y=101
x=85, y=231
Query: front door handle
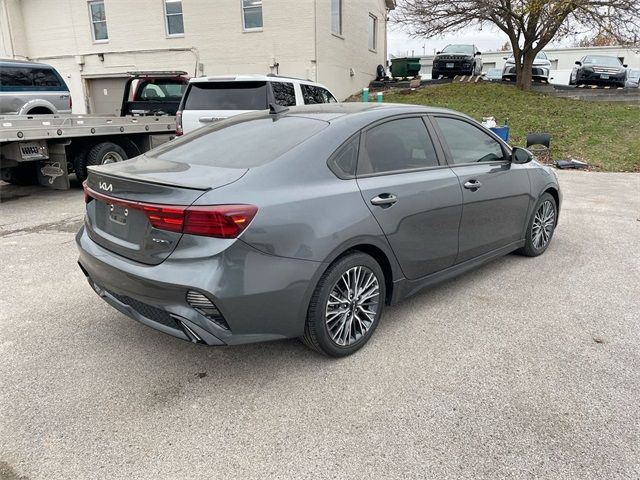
x=472, y=185
x=384, y=200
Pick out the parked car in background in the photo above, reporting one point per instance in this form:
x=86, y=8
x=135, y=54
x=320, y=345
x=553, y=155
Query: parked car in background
x=599, y=70
x=493, y=74
x=153, y=93
x=28, y=88
x=633, y=78
x=307, y=222
x=539, y=71
x=457, y=60
x=209, y=99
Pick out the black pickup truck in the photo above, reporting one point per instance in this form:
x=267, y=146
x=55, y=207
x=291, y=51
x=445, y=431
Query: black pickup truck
x=153, y=93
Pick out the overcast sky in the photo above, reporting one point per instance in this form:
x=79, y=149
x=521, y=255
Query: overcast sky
x=487, y=39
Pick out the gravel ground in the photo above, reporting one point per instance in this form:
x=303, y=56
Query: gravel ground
x=526, y=368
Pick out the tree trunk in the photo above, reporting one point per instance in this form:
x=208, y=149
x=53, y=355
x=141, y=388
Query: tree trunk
x=525, y=74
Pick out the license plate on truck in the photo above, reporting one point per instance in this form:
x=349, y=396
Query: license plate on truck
x=604, y=76
x=449, y=65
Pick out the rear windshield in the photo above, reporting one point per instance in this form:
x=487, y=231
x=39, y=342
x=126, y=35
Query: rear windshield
x=161, y=89
x=226, y=96
x=240, y=143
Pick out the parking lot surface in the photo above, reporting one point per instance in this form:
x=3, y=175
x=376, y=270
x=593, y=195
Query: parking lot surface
x=526, y=367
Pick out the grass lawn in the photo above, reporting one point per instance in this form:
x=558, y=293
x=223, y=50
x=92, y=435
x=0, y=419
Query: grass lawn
x=606, y=135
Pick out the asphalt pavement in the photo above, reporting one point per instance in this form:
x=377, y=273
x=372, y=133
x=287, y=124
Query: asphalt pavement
x=524, y=368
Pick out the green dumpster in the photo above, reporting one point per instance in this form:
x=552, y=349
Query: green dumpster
x=405, y=67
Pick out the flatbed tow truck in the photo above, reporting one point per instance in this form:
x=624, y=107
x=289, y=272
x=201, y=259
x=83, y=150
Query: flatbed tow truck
x=48, y=148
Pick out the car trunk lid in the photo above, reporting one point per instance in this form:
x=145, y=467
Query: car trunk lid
x=127, y=201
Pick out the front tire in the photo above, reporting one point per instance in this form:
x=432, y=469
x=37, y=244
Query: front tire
x=541, y=227
x=346, y=306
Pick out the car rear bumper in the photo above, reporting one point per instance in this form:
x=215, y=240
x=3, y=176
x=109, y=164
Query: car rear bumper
x=259, y=296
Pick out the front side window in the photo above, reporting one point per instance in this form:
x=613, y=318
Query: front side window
x=284, y=93
x=467, y=143
x=336, y=16
x=98, y=18
x=397, y=145
x=252, y=14
x=373, y=32
x=173, y=16
x=313, y=94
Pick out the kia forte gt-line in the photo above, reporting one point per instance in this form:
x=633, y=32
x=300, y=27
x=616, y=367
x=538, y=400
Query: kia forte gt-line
x=307, y=222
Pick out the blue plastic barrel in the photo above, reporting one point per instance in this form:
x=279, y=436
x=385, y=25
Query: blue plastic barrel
x=502, y=132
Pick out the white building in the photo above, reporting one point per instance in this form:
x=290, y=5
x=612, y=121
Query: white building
x=93, y=43
x=562, y=60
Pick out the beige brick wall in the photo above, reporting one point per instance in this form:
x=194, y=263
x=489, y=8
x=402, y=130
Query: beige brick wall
x=295, y=31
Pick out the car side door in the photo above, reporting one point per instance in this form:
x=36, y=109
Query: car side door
x=415, y=197
x=496, y=193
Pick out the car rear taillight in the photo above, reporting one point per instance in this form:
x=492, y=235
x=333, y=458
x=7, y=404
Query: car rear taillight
x=179, y=123
x=70, y=102
x=220, y=221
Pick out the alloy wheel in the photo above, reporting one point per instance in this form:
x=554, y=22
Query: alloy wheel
x=352, y=306
x=543, y=224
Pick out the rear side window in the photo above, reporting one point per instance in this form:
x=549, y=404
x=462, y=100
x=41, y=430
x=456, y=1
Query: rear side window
x=240, y=143
x=398, y=145
x=28, y=78
x=226, y=96
x=45, y=77
x=284, y=93
x=343, y=162
x=313, y=94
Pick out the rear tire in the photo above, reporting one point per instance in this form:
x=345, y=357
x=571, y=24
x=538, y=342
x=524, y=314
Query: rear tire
x=541, y=227
x=100, y=154
x=340, y=320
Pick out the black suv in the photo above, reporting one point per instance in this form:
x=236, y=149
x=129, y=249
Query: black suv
x=457, y=60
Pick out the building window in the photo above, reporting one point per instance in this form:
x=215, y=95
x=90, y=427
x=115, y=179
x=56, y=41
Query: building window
x=336, y=17
x=252, y=14
x=173, y=14
x=98, y=19
x=373, y=32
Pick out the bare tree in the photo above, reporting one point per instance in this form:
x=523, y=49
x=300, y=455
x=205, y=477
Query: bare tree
x=529, y=24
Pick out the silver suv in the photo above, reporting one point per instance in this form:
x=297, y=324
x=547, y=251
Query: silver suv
x=208, y=99
x=28, y=88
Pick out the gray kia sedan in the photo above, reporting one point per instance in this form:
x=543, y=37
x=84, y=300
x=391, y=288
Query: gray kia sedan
x=306, y=222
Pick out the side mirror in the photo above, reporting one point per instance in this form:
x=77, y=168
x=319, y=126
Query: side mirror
x=478, y=53
x=625, y=65
x=505, y=58
x=521, y=155
x=437, y=53
x=579, y=63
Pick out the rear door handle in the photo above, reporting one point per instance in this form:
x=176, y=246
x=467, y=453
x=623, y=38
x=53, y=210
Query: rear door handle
x=384, y=200
x=472, y=185
x=207, y=119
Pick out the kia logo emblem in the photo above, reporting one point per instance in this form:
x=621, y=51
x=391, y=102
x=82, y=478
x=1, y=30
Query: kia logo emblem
x=107, y=187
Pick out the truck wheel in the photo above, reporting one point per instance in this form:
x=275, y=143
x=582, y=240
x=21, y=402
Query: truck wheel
x=100, y=154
